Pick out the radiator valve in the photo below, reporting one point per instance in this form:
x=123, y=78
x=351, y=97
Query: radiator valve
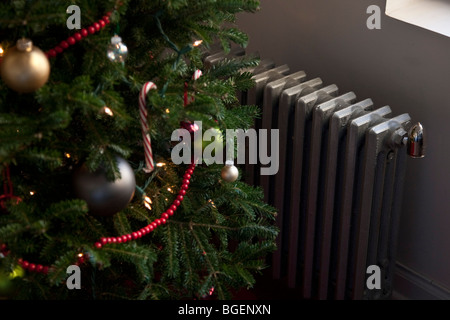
x=415, y=141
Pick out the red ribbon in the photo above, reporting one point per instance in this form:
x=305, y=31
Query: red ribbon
x=186, y=94
x=7, y=189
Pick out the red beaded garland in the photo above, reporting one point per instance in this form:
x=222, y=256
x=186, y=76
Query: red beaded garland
x=120, y=239
x=78, y=36
x=64, y=44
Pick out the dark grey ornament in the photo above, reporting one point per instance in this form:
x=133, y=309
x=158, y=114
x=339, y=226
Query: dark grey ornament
x=104, y=197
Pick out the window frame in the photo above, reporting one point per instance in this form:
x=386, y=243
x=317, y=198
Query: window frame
x=431, y=15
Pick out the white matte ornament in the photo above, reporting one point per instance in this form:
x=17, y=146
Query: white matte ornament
x=229, y=172
x=117, y=50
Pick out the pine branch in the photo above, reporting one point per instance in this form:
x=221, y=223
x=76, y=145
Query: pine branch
x=189, y=275
x=63, y=125
x=171, y=245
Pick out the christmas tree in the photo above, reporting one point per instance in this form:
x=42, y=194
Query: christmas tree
x=90, y=98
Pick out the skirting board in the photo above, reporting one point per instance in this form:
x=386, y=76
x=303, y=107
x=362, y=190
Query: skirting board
x=411, y=285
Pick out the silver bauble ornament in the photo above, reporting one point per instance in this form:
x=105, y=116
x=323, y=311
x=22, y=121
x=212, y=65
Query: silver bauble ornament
x=117, y=51
x=104, y=197
x=25, y=68
x=229, y=172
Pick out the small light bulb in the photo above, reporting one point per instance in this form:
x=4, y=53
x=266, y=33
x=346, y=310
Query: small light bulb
x=160, y=164
x=147, y=202
x=80, y=255
x=147, y=199
x=212, y=203
x=167, y=110
x=108, y=111
x=32, y=193
x=1, y=51
x=67, y=155
x=169, y=189
x=197, y=43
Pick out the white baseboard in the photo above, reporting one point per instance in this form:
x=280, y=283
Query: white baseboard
x=411, y=285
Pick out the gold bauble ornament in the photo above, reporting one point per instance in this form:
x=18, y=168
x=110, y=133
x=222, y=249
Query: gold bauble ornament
x=25, y=68
x=229, y=172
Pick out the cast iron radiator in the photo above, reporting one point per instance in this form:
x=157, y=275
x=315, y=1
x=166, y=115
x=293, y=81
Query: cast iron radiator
x=339, y=186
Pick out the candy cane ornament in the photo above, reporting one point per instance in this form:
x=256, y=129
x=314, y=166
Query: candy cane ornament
x=197, y=74
x=149, y=163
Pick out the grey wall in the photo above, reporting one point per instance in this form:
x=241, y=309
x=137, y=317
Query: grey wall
x=403, y=66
